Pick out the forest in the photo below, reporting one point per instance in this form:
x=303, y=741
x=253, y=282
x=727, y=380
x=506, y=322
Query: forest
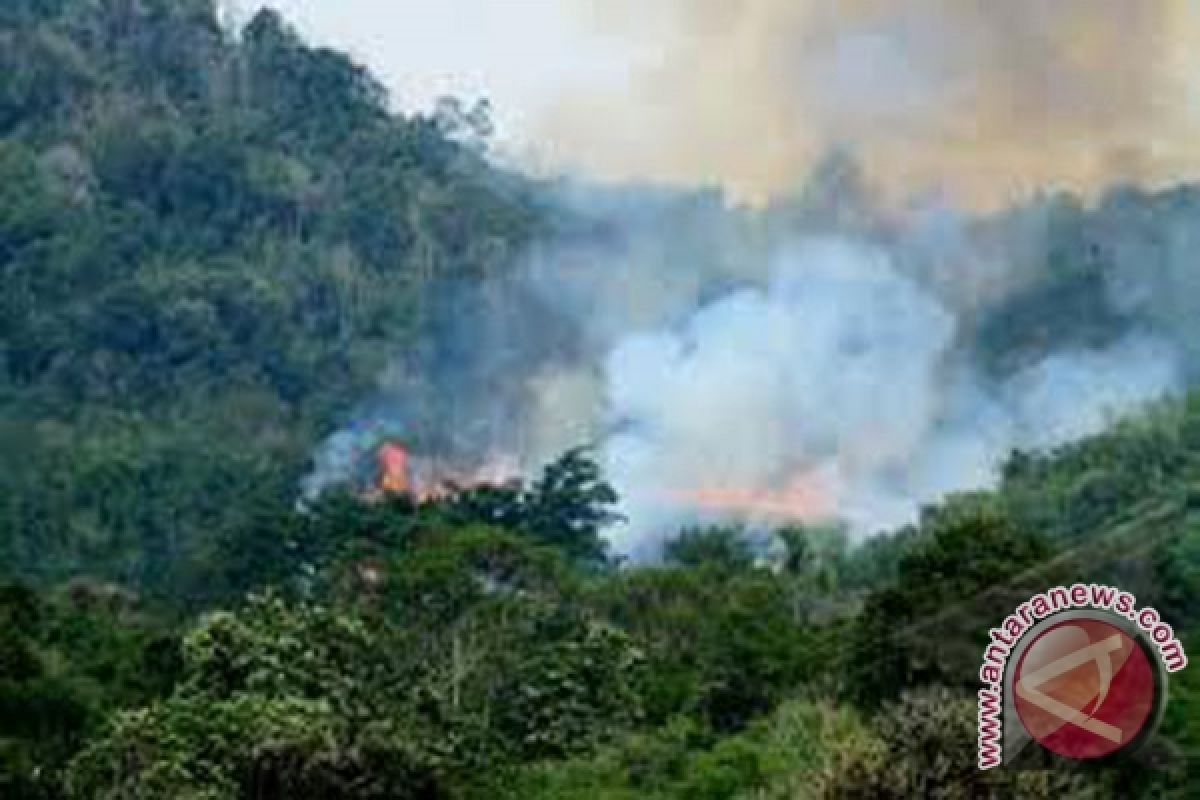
x=212, y=244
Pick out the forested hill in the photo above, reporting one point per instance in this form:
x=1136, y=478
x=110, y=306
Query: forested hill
x=208, y=246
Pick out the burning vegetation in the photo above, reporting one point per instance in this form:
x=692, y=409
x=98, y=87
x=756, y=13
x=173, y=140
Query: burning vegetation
x=395, y=476
x=423, y=478
x=804, y=498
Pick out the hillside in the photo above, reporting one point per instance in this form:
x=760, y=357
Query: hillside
x=413, y=652
x=214, y=243
x=211, y=247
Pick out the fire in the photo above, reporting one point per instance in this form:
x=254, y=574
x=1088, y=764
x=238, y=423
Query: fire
x=802, y=498
x=430, y=479
x=395, y=475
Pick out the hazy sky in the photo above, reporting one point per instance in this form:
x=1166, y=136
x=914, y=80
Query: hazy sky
x=527, y=56
x=981, y=99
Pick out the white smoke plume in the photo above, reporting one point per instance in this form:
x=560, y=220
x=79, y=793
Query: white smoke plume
x=832, y=351
x=820, y=358
x=841, y=374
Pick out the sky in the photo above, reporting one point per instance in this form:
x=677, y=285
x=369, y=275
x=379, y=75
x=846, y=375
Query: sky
x=526, y=56
x=980, y=100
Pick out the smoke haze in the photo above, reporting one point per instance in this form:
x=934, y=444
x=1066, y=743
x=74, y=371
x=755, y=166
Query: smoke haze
x=821, y=358
x=842, y=348
x=986, y=101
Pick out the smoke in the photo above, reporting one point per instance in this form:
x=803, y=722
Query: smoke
x=841, y=349
x=1155, y=247
x=768, y=384
x=826, y=356
x=986, y=101
x=845, y=376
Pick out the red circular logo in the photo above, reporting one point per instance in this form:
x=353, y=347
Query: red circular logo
x=1084, y=688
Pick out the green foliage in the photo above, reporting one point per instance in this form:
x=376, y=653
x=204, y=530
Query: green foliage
x=507, y=651
x=277, y=701
x=789, y=754
x=209, y=247
x=444, y=573
x=462, y=655
x=566, y=507
x=723, y=645
x=958, y=578
x=721, y=548
x=927, y=749
x=65, y=663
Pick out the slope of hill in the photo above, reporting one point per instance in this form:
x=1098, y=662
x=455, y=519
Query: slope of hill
x=210, y=246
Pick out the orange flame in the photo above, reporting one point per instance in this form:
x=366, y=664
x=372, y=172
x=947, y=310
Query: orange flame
x=804, y=498
x=394, y=474
x=429, y=479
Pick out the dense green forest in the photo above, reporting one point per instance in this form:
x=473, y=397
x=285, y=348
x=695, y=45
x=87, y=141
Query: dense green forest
x=209, y=250
x=211, y=245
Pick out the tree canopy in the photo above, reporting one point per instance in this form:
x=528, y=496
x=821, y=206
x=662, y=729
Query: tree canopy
x=212, y=242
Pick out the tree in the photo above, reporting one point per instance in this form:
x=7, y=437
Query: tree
x=65, y=663
x=277, y=702
x=964, y=572
x=719, y=548
x=566, y=507
x=927, y=743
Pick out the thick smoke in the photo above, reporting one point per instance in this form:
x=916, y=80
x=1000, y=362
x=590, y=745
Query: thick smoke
x=840, y=373
x=828, y=374
x=989, y=100
x=823, y=357
x=837, y=350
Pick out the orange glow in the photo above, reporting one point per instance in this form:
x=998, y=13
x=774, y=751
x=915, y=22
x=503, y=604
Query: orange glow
x=437, y=479
x=394, y=474
x=802, y=498
x=428, y=479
